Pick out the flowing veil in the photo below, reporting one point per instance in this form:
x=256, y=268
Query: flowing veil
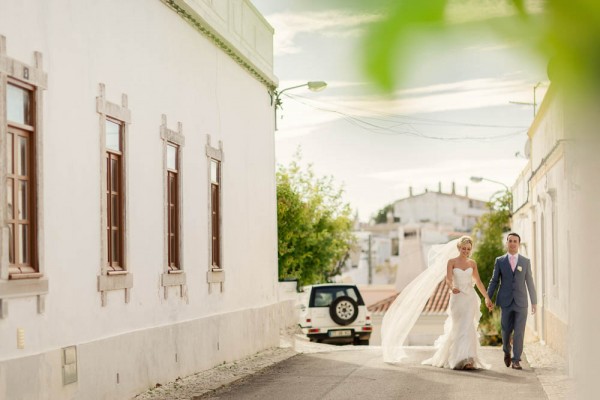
x=405, y=310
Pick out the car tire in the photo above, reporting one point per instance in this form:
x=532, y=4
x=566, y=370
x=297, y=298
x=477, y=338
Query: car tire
x=343, y=310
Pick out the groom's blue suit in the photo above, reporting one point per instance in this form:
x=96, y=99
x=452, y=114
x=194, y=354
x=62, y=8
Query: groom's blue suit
x=512, y=299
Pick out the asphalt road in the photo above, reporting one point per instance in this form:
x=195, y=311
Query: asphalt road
x=360, y=373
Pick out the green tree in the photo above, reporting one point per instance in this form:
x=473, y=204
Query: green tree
x=488, y=235
x=314, y=225
x=381, y=216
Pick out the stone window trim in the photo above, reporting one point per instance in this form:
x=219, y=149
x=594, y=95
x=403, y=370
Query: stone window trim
x=552, y=195
x=173, y=278
x=214, y=275
x=35, y=285
x=113, y=280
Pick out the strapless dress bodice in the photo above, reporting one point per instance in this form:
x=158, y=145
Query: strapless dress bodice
x=463, y=278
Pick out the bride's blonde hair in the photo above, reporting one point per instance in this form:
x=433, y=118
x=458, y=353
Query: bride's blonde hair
x=464, y=240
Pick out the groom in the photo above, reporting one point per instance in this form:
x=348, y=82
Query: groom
x=512, y=272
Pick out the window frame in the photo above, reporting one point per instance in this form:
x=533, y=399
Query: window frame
x=216, y=272
x=172, y=277
x=173, y=220
x=35, y=80
x=111, y=278
x=215, y=214
x=30, y=268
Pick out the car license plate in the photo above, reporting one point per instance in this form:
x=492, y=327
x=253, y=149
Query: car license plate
x=343, y=333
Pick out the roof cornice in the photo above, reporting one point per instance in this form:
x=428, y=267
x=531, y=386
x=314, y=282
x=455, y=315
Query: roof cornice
x=203, y=27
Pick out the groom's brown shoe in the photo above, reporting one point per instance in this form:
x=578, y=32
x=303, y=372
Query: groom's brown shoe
x=516, y=365
x=507, y=359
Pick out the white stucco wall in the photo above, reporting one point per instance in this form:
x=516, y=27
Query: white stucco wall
x=441, y=208
x=543, y=205
x=145, y=50
x=550, y=192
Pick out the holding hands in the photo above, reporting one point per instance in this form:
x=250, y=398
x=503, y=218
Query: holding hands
x=489, y=304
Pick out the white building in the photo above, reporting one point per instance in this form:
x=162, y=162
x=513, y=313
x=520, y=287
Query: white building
x=449, y=210
x=556, y=210
x=542, y=202
x=374, y=258
x=139, y=239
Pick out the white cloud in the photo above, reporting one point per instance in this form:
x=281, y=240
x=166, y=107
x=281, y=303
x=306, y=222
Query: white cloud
x=332, y=23
x=430, y=174
x=460, y=95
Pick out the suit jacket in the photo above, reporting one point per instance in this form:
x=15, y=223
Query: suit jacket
x=513, y=285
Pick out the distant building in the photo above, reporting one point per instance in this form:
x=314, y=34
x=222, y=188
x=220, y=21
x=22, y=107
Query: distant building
x=375, y=257
x=448, y=211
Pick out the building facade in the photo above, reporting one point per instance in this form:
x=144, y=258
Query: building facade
x=449, y=211
x=138, y=195
x=543, y=201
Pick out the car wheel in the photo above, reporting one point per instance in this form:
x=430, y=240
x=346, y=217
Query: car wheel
x=343, y=310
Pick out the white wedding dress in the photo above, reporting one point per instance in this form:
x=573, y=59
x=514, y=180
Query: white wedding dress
x=460, y=342
x=459, y=345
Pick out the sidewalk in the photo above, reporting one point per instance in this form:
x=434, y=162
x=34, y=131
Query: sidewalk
x=549, y=368
x=194, y=386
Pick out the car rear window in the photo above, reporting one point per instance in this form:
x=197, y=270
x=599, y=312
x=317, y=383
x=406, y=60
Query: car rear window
x=324, y=296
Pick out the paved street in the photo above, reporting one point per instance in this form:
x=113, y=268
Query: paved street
x=360, y=373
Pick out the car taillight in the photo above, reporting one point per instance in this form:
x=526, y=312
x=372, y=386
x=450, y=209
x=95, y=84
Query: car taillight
x=314, y=330
x=308, y=320
x=367, y=328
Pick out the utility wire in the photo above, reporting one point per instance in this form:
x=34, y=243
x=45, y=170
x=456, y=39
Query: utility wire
x=365, y=124
x=425, y=121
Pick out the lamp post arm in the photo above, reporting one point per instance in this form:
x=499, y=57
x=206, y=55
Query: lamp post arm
x=499, y=183
x=276, y=99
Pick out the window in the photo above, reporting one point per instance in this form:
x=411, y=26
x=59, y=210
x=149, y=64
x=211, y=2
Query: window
x=323, y=296
x=114, y=128
x=216, y=273
x=114, y=195
x=20, y=182
x=173, y=272
x=215, y=212
x=172, y=207
x=21, y=100
x=555, y=244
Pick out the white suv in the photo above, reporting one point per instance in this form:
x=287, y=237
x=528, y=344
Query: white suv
x=335, y=313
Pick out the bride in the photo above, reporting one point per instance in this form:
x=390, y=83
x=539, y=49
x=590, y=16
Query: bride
x=458, y=347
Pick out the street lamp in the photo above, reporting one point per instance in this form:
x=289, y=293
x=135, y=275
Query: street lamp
x=478, y=179
x=313, y=86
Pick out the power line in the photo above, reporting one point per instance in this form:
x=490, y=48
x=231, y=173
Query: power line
x=372, y=127
x=425, y=121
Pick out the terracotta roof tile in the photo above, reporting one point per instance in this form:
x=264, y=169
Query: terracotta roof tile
x=437, y=303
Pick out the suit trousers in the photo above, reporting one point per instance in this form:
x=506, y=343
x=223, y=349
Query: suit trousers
x=513, y=319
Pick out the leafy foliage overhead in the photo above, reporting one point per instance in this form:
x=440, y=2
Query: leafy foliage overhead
x=564, y=33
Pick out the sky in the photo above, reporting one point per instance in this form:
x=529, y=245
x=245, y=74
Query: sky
x=454, y=115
